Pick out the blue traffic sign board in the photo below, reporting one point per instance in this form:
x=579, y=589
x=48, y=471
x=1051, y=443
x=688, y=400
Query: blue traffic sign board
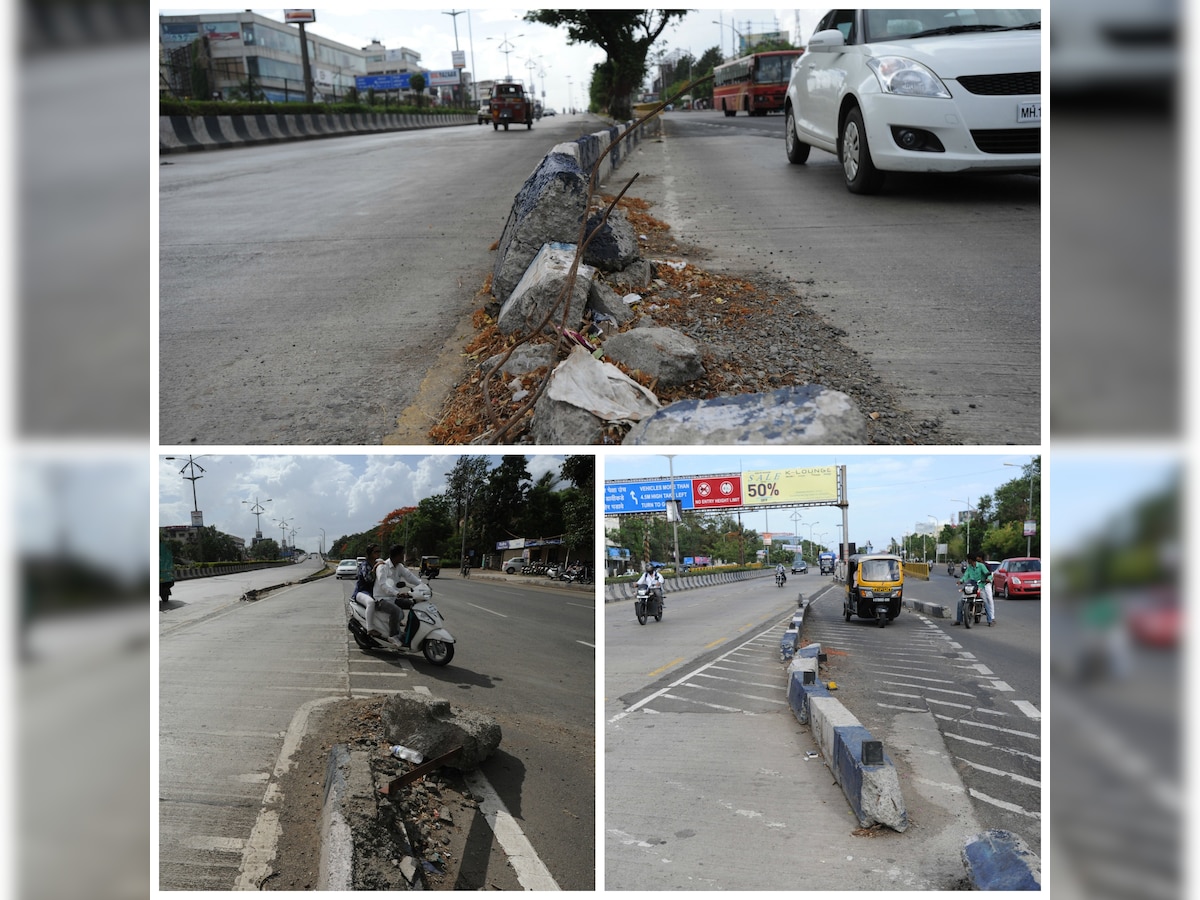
x=627, y=497
x=395, y=81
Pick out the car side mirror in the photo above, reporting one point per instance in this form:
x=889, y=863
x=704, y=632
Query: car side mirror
x=826, y=41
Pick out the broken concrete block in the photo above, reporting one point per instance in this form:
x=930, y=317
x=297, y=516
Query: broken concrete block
x=434, y=728
x=523, y=360
x=663, y=353
x=549, y=207
x=812, y=414
x=615, y=246
x=604, y=300
x=583, y=395
x=539, y=290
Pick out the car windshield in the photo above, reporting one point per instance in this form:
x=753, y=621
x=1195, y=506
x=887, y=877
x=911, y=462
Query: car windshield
x=899, y=24
x=774, y=70
x=1026, y=565
x=879, y=570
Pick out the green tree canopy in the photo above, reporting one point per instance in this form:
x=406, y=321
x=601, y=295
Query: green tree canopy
x=625, y=35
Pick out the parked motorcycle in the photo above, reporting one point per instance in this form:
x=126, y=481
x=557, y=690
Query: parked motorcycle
x=973, y=602
x=648, y=603
x=431, y=636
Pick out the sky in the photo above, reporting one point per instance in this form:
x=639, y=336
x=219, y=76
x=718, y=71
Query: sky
x=484, y=33
x=1089, y=491
x=343, y=494
x=890, y=495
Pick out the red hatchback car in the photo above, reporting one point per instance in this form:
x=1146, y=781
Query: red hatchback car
x=1020, y=576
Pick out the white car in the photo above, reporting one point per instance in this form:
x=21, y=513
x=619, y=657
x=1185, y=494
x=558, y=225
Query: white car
x=916, y=90
x=347, y=568
x=514, y=565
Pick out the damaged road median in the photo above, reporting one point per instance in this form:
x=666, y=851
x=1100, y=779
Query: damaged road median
x=353, y=815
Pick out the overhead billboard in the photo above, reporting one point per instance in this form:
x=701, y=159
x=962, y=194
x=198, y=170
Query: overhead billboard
x=716, y=491
x=767, y=486
x=627, y=497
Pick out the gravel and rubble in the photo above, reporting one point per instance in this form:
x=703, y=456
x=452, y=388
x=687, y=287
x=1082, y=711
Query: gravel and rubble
x=757, y=332
x=419, y=839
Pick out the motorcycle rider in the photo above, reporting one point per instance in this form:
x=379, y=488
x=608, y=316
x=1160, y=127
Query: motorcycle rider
x=392, y=581
x=978, y=572
x=779, y=573
x=652, y=578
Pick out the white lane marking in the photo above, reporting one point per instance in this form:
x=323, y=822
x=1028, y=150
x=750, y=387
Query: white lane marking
x=422, y=689
x=978, y=743
x=709, y=705
x=1015, y=777
x=1000, y=686
x=664, y=691
x=486, y=610
x=586, y=644
x=1011, y=807
x=704, y=687
x=989, y=727
x=581, y=606
x=530, y=871
x=1028, y=708
x=216, y=842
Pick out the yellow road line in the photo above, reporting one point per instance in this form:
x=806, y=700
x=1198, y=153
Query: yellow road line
x=669, y=665
x=712, y=644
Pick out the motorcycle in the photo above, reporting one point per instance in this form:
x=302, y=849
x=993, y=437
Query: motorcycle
x=972, y=602
x=780, y=578
x=648, y=603
x=431, y=636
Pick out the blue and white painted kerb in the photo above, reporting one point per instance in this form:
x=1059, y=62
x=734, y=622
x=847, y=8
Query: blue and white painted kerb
x=873, y=791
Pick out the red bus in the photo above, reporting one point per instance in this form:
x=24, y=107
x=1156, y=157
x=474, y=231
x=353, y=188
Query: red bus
x=755, y=84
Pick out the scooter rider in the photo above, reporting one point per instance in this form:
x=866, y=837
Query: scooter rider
x=364, y=591
x=392, y=582
x=779, y=573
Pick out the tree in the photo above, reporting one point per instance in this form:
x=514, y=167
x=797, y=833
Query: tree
x=625, y=35
x=416, y=84
x=579, y=516
x=265, y=549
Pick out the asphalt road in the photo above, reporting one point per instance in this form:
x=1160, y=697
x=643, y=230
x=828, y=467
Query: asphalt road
x=232, y=675
x=710, y=783
x=937, y=280
x=307, y=289
x=982, y=686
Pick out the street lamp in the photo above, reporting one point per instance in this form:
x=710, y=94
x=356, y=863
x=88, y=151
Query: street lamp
x=257, y=510
x=197, y=516
x=674, y=517
x=454, y=14
x=735, y=31
x=1028, y=538
x=322, y=530
x=935, y=524
x=511, y=48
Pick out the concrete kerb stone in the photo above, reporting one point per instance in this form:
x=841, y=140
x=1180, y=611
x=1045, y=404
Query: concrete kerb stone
x=180, y=133
x=936, y=610
x=873, y=791
x=1001, y=861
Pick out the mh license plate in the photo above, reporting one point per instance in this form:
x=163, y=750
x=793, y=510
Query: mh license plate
x=1030, y=111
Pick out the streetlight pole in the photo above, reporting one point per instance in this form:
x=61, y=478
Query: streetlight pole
x=192, y=465
x=511, y=48
x=1029, y=514
x=969, y=517
x=257, y=510
x=935, y=524
x=454, y=14
x=322, y=530
x=674, y=509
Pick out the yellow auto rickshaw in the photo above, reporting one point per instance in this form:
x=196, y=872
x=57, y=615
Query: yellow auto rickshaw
x=874, y=586
x=431, y=566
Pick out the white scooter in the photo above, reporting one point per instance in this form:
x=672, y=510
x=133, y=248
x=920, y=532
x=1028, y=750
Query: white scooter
x=431, y=637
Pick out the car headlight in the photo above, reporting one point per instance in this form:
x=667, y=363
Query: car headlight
x=1016, y=581
x=898, y=75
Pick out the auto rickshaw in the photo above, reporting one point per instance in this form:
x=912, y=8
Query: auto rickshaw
x=874, y=586
x=431, y=566
x=826, y=561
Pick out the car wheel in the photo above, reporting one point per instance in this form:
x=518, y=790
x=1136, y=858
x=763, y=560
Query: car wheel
x=797, y=150
x=861, y=175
